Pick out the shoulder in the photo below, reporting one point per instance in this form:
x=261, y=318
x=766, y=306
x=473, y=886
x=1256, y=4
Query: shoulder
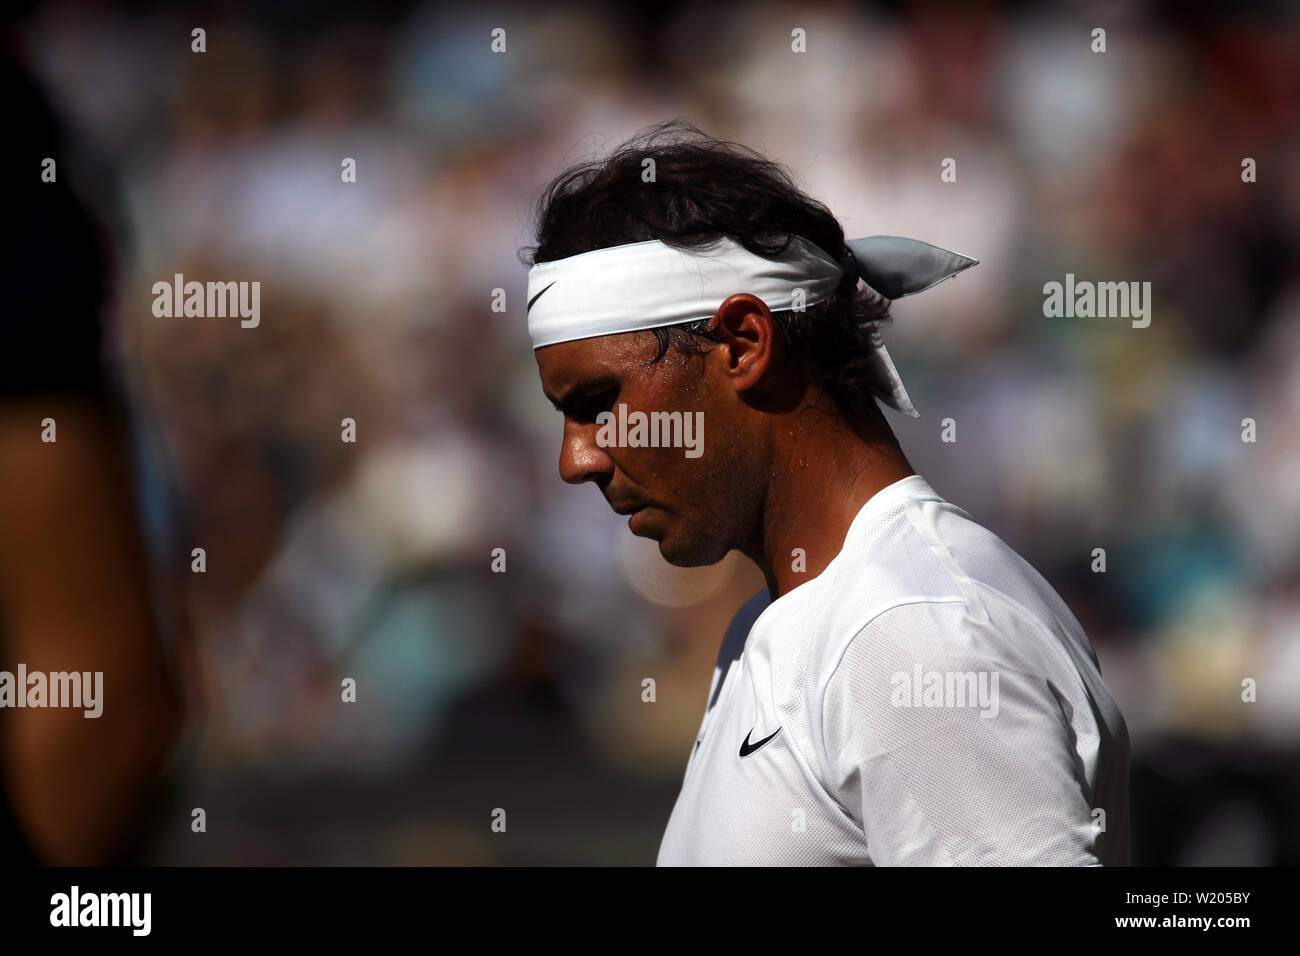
x=933, y=580
x=896, y=571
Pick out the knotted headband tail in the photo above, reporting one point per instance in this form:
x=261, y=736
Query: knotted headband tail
x=897, y=267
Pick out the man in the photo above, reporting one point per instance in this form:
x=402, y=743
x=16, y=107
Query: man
x=909, y=691
x=75, y=588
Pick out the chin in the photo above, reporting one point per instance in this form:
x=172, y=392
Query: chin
x=689, y=554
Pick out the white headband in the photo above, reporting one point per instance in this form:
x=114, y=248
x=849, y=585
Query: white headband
x=648, y=285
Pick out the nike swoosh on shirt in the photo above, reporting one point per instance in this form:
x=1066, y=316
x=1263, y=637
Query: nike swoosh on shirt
x=540, y=294
x=747, y=748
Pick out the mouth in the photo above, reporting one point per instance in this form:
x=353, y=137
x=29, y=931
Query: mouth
x=635, y=511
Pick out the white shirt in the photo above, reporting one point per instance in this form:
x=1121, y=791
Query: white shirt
x=927, y=699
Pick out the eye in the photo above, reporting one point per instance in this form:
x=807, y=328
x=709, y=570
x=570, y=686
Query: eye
x=585, y=408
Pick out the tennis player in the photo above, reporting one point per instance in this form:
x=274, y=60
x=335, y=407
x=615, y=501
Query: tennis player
x=908, y=690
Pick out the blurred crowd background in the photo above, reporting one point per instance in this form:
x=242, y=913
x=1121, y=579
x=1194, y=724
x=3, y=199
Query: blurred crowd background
x=522, y=690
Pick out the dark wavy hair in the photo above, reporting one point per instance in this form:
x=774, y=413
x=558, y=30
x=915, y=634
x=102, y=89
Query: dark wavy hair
x=706, y=188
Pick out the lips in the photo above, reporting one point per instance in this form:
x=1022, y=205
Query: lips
x=637, y=510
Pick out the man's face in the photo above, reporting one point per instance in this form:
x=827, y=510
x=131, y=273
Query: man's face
x=698, y=508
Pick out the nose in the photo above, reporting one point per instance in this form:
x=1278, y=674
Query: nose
x=581, y=459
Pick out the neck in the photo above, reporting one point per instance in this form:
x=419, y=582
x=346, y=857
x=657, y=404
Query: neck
x=824, y=469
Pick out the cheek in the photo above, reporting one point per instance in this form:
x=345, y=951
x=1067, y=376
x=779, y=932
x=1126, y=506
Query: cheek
x=664, y=471
x=693, y=472
x=705, y=486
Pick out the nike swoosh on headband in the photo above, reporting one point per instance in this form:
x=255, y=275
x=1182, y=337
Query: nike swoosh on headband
x=540, y=294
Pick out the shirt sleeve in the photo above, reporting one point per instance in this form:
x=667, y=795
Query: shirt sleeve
x=57, y=271
x=948, y=753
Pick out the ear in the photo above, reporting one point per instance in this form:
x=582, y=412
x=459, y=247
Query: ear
x=748, y=339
